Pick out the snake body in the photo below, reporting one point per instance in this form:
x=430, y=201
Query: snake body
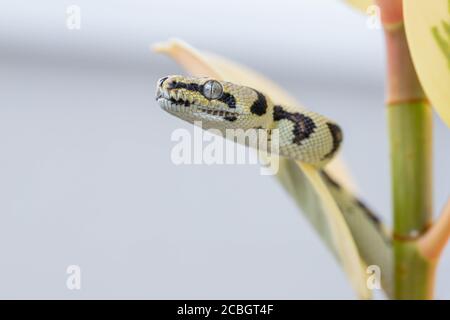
x=303, y=135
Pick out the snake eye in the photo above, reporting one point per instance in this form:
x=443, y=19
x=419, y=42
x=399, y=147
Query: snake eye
x=212, y=89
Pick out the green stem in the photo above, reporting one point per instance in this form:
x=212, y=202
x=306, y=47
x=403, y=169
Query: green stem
x=410, y=134
x=414, y=275
x=410, y=127
x=410, y=130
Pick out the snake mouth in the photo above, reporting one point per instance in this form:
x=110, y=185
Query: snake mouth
x=180, y=105
x=220, y=113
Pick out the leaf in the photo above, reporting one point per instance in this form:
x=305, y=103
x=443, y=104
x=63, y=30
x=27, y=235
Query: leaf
x=208, y=64
x=339, y=232
x=371, y=238
x=427, y=25
x=320, y=204
x=360, y=4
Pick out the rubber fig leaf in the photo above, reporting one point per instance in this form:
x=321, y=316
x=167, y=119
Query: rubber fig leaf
x=325, y=196
x=360, y=4
x=427, y=25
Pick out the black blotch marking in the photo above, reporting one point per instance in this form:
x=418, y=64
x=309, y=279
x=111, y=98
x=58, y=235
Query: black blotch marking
x=187, y=86
x=336, y=134
x=360, y=204
x=230, y=118
x=259, y=107
x=356, y=203
x=226, y=97
x=351, y=209
x=229, y=99
x=303, y=125
x=330, y=180
x=180, y=102
x=375, y=219
x=182, y=85
x=368, y=212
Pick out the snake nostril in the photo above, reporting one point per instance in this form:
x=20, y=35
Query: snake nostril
x=161, y=81
x=172, y=85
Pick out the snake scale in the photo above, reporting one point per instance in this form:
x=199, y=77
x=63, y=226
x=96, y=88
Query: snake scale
x=304, y=135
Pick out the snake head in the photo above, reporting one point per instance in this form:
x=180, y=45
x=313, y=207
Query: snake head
x=217, y=104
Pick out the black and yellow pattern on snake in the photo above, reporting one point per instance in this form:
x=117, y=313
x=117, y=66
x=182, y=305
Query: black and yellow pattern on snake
x=303, y=135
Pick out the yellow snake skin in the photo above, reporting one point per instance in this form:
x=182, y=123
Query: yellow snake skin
x=303, y=135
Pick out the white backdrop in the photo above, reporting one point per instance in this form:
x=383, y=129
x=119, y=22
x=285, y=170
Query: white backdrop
x=85, y=170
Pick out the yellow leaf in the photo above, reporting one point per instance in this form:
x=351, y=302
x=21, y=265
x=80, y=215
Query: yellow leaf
x=360, y=4
x=205, y=64
x=340, y=233
x=427, y=25
x=208, y=64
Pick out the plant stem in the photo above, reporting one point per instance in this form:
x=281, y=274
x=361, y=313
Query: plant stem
x=410, y=140
x=410, y=132
x=432, y=243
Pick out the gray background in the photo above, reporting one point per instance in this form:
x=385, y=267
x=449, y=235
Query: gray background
x=85, y=170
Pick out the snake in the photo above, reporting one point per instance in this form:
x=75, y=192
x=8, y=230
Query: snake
x=304, y=135
x=301, y=136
